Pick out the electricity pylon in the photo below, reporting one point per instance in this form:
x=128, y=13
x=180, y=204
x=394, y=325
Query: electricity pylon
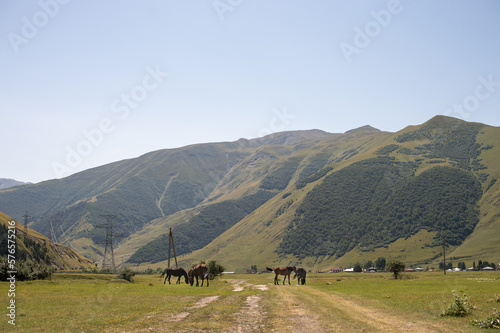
x=108, y=243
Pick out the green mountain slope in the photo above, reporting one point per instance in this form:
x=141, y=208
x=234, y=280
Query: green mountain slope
x=303, y=197
x=34, y=246
x=396, y=197
x=374, y=202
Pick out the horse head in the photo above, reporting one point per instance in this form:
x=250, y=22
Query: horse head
x=185, y=275
x=190, y=277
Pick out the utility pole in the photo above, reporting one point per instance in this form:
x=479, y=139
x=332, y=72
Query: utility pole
x=444, y=256
x=26, y=216
x=108, y=243
x=171, y=245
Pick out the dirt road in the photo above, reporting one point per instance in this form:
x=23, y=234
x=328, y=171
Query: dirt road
x=293, y=308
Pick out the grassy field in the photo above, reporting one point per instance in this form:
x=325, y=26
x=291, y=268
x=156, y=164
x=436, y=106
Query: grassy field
x=343, y=302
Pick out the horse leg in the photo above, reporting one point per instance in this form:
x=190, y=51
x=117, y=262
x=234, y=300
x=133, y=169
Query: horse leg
x=197, y=283
x=169, y=276
x=276, y=279
x=178, y=280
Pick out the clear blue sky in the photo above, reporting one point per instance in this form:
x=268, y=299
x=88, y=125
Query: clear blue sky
x=85, y=83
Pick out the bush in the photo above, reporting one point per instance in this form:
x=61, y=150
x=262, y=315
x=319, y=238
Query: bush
x=396, y=267
x=461, y=307
x=214, y=269
x=26, y=270
x=493, y=321
x=127, y=274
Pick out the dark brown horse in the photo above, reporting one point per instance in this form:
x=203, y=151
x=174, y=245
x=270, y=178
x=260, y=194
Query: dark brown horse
x=286, y=271
x=201, y=271
x=180, y=272
x=301, y=274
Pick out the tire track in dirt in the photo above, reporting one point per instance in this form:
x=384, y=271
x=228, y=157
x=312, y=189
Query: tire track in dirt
x=251, y=317
x=376, y=319
x=299, y=315
x=198, y=305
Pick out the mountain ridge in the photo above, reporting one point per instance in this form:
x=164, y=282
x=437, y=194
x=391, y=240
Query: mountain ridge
x=169, y=188
x=8, y=182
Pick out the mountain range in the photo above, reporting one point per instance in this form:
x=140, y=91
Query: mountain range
x=7, y=182
x=309, y=198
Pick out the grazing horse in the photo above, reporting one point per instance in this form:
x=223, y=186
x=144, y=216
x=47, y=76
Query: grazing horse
x=180, y=272
x=282, y=271
x=198, y=271
x=301, y=273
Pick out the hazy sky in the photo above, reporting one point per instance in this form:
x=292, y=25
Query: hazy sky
x=85, y=83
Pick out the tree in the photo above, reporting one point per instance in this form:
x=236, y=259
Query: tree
x=396, y=267
x=380, y=264
x=214, y=269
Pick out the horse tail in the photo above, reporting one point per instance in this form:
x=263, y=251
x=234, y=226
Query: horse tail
x=163, y=274
x=269, y=269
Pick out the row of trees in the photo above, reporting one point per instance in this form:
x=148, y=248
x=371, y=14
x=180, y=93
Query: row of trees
x=378, y=264
x=481, y=264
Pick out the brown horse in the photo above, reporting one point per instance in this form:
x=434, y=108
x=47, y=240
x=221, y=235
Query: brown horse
x=180, y=272
x=201, y=271
x=301, y=273
x=286, y=271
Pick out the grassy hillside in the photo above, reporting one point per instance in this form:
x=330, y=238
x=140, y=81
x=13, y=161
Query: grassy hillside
x=212, y=221
x=35, y=246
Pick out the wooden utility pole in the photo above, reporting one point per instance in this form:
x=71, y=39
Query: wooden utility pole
x=171, y=245
x=444, y=256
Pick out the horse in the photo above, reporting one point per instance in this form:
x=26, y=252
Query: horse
x=180, y=272
x=282, y=271
x=201, y=271
x=301, y=273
